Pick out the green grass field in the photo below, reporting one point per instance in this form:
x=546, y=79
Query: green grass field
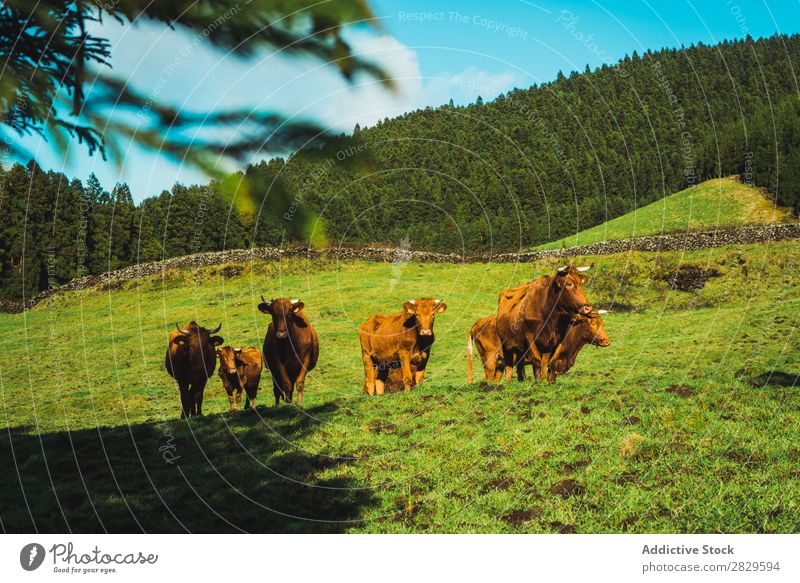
x=689, y=422
x=724, y=202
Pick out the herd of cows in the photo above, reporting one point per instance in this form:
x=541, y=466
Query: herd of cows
x=544, y=323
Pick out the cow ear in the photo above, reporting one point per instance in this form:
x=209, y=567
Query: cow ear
x=297, y=306
x=264, y=307
x=410, y=308
x=441, y=307
x=584, y=278
x=217, y=340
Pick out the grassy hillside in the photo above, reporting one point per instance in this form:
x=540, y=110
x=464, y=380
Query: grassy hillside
x=723, y=202
x=687, y=423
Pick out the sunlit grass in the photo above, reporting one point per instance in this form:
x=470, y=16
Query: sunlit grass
x=719, y=203
x=687, y=423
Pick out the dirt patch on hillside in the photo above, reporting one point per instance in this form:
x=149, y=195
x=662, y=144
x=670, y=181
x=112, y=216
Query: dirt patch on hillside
x=680, y=390
x=567, y=488
x=519, y=517
x=689, y=278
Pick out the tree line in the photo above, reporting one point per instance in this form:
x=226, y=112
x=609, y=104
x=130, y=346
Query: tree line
x=530, y=166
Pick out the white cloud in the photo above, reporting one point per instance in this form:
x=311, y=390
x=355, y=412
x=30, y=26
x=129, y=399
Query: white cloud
x=367, y=102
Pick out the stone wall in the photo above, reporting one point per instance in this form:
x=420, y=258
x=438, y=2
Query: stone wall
x=683, y=241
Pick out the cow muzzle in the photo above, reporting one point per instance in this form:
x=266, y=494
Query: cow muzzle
x=603, y=343
x=426, y=332
x=281, y=333
x=585, y=309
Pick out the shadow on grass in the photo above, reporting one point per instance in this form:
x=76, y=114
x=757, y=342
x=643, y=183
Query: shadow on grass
x=776, y=378
x=219, y=473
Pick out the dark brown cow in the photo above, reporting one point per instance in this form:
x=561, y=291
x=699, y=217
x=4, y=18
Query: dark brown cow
x=291, y=347
x=240, y=368
x=484, y=335
x=191, y=360
x=401, y=341
x=583, y=329
x=528, y=316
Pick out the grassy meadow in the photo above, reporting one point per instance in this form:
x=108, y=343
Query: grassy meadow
x=718, y=203
x=688, y=422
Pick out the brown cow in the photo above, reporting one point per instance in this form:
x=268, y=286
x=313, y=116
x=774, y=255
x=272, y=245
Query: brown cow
x=484, y=335
x=528, y=316
x=401, y=340
x=240, y=368
x=291, y=347
x=583, y=329
x=191, y=360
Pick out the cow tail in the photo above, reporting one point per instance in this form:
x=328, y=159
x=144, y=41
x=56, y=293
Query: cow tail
x=469, y=359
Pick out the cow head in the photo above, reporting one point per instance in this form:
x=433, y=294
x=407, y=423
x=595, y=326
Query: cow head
x=591, y=328
x=192, y=338
x=424, y=312
x=230, y=359
x=282, y=311
x=567, y=285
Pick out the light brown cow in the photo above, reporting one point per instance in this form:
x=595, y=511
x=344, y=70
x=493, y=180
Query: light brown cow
x=484, y=335
x=190, y=360
x=528, y=316
x=583, y=329
x=291, y=347
x=240, y=369
x=401, y=340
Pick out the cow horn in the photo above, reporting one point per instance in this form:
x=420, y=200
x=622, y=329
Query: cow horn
x=602, y=311
x=584, y=268
x=181, y=330
x=215, y=330
x=563, y=268
x=295, y=301
x=268, y=302
x=438, y=302
x=411, y=301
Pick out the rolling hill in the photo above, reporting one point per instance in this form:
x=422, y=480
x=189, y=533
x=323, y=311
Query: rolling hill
x=719, y=203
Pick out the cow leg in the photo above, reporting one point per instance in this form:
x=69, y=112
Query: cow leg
x=419, y=376
x=281, y=384
x=192, y=402
x=238, y=400
x=300, y=381
x=508, y=357
x=230, y=400
x=488, y=372
x=405, y=368
x=287, y=386
x=541, y=372
x=381, y=377
x=183, y=388
x=521, y=369
x=198, y=390
x=370, y=372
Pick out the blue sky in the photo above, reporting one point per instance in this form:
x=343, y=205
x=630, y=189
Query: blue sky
x=436, y=50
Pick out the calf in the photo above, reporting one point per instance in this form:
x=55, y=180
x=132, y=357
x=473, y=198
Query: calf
x=484, y=335
x=583, y=329
x=240, y=368
x=401, y=340
x=191, y=360
x=291, y=347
